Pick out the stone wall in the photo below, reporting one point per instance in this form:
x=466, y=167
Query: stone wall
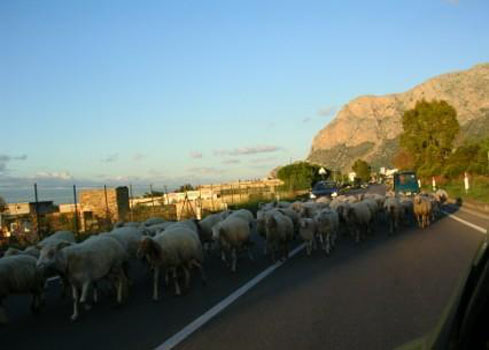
x=115, y=207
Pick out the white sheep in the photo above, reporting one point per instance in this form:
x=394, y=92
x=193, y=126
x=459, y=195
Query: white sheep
x=292, y=214
x=359, y=216
x=66, y=236
x=128, y=237
x=233, y=234
x=153, y=221
x=19, y=275
x=31, y=250
x=327, y=228
x=178, y=247
x=279, y=231
x=205, y=228
x=244, y=214
x=441, y=195
x=422, y=209
x=394, y=211
x=307, y=231
x=86, y=263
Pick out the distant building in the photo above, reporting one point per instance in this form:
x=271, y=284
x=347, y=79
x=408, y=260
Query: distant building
x=19, y=217
x=110, y=204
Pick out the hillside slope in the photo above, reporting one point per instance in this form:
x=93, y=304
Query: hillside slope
x=368, y=127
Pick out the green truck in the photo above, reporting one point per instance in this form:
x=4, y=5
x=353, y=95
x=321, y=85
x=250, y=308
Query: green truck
x=406, y=182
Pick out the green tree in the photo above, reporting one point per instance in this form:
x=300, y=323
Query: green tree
x=3, y=205
x=362, y=169
x=153, y=194
x=471, y=157
x=184, y=188
x=428, y=133
x=299, y=175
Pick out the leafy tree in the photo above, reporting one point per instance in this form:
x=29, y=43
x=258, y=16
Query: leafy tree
x=184, y=188
x=471, y=157
x=300, y=175
x=428, y=133
x=3, y=205
x=403, y=160
x=153, y=194
x=362, y=169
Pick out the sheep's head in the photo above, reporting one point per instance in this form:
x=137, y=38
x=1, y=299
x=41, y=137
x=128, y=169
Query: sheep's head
x=144, y=247
x=49, y=252
x=270, y=221
x=216, y=231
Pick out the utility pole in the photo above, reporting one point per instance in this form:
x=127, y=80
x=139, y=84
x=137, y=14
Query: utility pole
x=38, y=223
x=76, y=210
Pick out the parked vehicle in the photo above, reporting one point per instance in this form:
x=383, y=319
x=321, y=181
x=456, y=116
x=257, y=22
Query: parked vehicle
x=324, y=188
x=406, y=182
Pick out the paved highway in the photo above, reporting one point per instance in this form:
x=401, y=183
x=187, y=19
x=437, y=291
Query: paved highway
x=374, y=295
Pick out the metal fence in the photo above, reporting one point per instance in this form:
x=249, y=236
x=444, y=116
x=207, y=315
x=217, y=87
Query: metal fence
x=32, y=214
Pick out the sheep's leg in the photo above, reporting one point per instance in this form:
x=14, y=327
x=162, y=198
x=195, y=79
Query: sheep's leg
x=327, y=244
x=36, y=302
x=308, y=247
x=202, y=272
x=120, y=285
x=223, y=255
x=321, y=241
x=74, y=292
x=177, y=285
x=187, y=276
x=95, y=294
x=156, y=278
x=84, y=294
x=167, y=277
x=234, y=258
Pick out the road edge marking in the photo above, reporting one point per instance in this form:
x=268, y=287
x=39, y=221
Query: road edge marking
x=185, y=332
x=465, y=222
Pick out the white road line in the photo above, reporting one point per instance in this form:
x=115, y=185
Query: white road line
x=177, y=338
x=475, y=227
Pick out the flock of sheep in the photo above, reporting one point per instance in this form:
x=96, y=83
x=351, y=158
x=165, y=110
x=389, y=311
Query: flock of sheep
x=173, y=249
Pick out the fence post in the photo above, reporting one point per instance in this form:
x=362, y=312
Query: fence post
x=152, y=198
x=107, y=219
x=76, y=211
x=466, y=183
x=38, y=222
x=130, y=202
x=212, y=199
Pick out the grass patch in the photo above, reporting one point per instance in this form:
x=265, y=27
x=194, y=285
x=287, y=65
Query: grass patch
x=479, y=189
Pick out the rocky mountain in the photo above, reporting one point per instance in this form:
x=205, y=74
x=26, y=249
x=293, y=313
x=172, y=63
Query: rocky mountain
x=368, y=127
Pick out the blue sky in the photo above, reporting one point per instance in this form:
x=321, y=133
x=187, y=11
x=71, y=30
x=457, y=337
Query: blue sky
x=205, y=91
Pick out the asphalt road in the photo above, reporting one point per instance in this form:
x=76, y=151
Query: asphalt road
x=374, y=295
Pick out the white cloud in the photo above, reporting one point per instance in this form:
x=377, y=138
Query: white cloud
x=62, y=175
x=328, y=111
x=5, y=158
x=138, y=156
x=195, y=155
x=205, y=171
x=231, y=161
x=247, y=150
x=110, y=158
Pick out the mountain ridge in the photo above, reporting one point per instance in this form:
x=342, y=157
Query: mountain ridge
x=369, y=126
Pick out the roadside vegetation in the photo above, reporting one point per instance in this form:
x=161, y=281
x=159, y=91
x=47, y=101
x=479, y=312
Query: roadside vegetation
x=432, y=144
